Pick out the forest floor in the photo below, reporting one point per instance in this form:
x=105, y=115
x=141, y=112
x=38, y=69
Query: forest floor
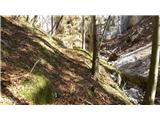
x=36, y=70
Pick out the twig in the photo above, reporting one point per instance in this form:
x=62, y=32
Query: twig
x=34, y=66
x=114, y=49
x=88, y=102
x=26, y=75
x=5, y=43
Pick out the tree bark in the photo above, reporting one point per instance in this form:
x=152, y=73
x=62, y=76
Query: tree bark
x=149, y=97
x=90, y=36
x=55, y=27
x=95, y=59
x=52, y=26
x=83, y=33
x=34, y=20
x=27, y=18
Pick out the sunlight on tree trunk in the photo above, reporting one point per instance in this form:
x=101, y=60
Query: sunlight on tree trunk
x=95, y=60
x=149, y=97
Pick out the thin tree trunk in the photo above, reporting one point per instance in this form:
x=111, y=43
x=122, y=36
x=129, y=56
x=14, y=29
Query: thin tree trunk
x=90, y=31
x=27, y=18
x=83, y=33
x=34, y=20
x=52, y=22
x=96, y=45
x=55, y=27
x=95, y=59
x=149, y=97
x=119, y=26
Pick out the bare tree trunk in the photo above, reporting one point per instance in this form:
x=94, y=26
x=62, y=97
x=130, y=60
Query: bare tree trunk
x=52, y=25
x=52, y=22
x=119, y=25
x=83, y=33
x=95, y=59
x=27, y=18
x=96, y=45
x=34, y=20
x=55, y=27
x=90, y=36
x=149, y=97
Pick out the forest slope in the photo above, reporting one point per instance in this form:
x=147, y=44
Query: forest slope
x=36, y=70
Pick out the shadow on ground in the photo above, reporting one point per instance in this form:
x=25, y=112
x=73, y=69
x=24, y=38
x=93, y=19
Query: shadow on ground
x=58, y=78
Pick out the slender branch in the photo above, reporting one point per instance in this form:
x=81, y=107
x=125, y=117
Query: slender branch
x=88, y=102
x=107, y=23
x=26, y=75
x=34, y=66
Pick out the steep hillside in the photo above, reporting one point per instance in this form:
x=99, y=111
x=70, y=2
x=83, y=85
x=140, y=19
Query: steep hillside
x=36, y=70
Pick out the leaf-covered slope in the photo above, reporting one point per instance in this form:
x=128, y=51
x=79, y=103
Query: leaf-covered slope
x=36, y=70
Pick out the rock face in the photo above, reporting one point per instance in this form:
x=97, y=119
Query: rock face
x=135, y=94
x=128, y=21
x=136, y=62
x=69, y=31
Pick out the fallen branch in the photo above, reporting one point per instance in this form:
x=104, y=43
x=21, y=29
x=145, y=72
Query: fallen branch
x=34, y=65
x=26, y=75
x=5, y=44
x=88, y=102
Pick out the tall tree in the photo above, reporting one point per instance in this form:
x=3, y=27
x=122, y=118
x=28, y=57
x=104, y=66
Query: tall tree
x=55, y=26
x=52, y=25
x=52, y=21
x=149, y=97
x=83, y=33
x=95, y=59
x=89, y=35
x=97, y=44
x=27, y=18
x=34, y=20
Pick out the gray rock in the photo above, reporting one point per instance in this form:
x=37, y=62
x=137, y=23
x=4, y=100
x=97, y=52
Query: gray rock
x=134, y=93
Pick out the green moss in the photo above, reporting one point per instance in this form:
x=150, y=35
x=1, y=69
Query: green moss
x=38, y=90
x=85, y=53
x=107, y=66
x=88, y=56
x=43, y=61
x=102, y=81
